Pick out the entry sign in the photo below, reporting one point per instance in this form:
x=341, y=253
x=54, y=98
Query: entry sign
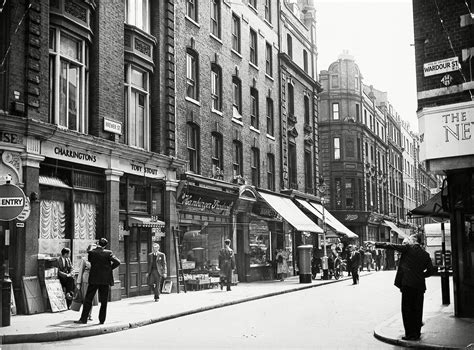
x=12, y=202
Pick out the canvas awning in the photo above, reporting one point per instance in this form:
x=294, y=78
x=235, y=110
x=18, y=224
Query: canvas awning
x=432, y=207
x=291, y=213
x=394, y=227
x=52, y=181
x=331, y=221
x=145, y=221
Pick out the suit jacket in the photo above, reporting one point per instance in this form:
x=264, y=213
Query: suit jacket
x=102, y=261
x=354, y=260
x=414, y=265
x=226, y=261
x=64, y=268
x=160, y=263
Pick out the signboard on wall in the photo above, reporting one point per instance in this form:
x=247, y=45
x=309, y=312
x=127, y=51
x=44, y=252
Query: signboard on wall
x=442, y=66
x=446, y=131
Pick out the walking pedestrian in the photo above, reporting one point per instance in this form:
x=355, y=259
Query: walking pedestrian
x=102, y=261
x=82, y=281
x=282, y=264
x=226, y=265
x=157, y=269
x=378, y=260
x=414, y=266
x=66, y=275
x=354, y=262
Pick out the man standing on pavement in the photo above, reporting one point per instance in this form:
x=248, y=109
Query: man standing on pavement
x=102, y=261
x=226, y=264
x=354, y=262
x=156, y=269
x=414, y=266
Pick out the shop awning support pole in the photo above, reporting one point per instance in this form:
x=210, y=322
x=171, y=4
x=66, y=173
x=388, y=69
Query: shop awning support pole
x=444, y=273
x=325, y=257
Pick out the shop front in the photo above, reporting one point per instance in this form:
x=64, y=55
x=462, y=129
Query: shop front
x=356, y=221
x=205, y=220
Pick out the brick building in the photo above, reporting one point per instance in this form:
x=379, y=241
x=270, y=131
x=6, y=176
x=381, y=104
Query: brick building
x=88, y=132
x=443, y=56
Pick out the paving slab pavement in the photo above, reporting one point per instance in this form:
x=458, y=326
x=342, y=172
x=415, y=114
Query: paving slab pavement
x=142, y=310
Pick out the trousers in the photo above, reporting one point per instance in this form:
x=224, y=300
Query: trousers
x=412, y=310
x=103, y=299
x=155, y=282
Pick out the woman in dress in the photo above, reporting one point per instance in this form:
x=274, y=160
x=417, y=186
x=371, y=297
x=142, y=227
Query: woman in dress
x=82, y=281
x=282, y=264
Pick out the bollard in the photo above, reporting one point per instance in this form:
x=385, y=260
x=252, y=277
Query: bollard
x=6, y=301
x=445, y=287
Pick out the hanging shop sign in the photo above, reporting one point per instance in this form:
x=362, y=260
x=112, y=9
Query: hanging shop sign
x=446, y=131
x=12, y=202
x=442, y=66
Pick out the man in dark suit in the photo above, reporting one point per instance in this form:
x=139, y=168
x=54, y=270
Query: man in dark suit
x=102, y=261
x=65, y=274
x=226, y=264
x=156, y=269
x=354, y=263
x=414, y=266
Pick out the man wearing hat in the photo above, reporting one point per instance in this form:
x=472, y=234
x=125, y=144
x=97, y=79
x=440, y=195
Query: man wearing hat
x=156, y=269
x=414, y=266
x=226, y=264
x=102, y=261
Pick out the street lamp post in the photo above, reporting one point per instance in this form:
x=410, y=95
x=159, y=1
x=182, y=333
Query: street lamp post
x=325, y=256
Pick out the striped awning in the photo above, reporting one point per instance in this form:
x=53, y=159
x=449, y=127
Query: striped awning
x=52, y=181
x=145, y=221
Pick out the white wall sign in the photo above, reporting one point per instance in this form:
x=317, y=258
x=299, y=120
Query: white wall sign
x=442, y=66
x=447, y=131
x=73, y=154
x=141, y=169
x=112, y=126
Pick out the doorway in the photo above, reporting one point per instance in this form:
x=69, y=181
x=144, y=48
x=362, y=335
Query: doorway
x=137, y=247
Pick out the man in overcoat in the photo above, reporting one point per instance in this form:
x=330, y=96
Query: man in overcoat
x=414, y=266
x=103, y=262
x=354, y=263
x=157, y=269
x=226, y=264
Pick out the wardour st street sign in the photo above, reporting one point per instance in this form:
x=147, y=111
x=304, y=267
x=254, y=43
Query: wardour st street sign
x=443, y=66
x=446, y=131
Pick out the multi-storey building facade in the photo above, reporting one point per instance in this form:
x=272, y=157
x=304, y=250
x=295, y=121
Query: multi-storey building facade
x=445, y=87
x=353, y=149
x=410, y=169
x=88, y=101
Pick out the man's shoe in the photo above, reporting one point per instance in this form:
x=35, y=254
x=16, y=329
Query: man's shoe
x=157, y=299
x=101, y=322
x=411, y=337
x=80, y=322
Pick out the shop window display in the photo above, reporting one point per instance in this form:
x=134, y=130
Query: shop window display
x=259, y=243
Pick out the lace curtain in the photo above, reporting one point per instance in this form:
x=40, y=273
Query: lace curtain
x=84, y=220
x=52, y=220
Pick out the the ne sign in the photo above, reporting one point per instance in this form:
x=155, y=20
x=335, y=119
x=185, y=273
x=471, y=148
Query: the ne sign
x=12, y=202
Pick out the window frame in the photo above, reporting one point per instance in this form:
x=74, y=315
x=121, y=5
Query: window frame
x=217, y=149
x=192, y=80
x=336, y=143
x=192, y=10
x=307, y=112
x=289, y=45
x=193, y=150
x=253, y=47
x=237, y=158
x=292, y=166
x=269, y=59
x=305, y=61
x=236, y=82
x=215, y=24
x=335, y=111
x=236, y=33
x=271, y=171
x=254, y=108
x=145, y=15
x=268, y=11
x=270, y=117
x=291, y=99
x=56, y=59
x=216, y=87
x=308, y=169
x=255, y=166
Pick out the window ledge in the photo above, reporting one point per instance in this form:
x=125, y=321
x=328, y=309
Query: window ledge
x=236, y=53
x=215, y=111
x=216, y=38
x=269, y=77
x=254, y=66
x=236, y=121
x=271, y=137
x=253, y=9
x=193, y=101
x=268, y=23
x=254, y=130
x=189, y=19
